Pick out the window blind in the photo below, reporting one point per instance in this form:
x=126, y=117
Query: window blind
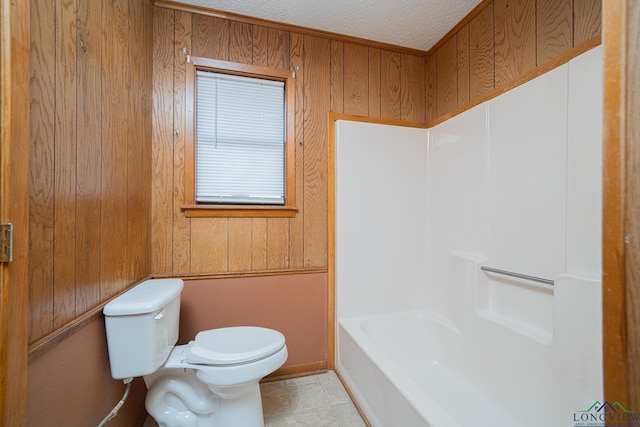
x=240, y=139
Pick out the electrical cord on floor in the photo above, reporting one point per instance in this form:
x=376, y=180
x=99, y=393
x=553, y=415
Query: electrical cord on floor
x=115, y=410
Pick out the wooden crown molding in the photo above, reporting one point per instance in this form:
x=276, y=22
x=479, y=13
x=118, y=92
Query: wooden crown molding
x=176, y=5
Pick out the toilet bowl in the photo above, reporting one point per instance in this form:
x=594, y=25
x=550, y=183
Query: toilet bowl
x=213, y=381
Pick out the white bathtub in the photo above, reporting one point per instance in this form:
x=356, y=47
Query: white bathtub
x=399, y=367
x=486, y=349
x=410, y=369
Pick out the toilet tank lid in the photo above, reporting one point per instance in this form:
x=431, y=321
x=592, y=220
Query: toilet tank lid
x=146, y=297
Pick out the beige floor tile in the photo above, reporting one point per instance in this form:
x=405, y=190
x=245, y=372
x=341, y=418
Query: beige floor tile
x=287, y=420
x=275, y=399
x=348, y=415
x=307, y=396
x=335, y=392
x=316, y=417
x=314, y=400
x=303, y=380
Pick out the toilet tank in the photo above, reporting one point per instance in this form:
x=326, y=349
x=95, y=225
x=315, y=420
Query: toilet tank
x=142, y=327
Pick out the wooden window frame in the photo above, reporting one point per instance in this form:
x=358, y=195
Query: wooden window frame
x=191, y=208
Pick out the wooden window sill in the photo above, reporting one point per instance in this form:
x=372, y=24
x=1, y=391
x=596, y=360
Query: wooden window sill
x=253, y=211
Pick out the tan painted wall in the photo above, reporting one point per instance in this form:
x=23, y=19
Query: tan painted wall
x=71, y=385
x=295, y=305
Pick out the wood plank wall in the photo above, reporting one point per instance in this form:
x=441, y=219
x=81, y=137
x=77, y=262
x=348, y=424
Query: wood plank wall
x=503, y=40
x=90, y=160
x=331, y=75
x=105, y=200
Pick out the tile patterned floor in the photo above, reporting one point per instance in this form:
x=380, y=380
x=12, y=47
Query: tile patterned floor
x=315, y=401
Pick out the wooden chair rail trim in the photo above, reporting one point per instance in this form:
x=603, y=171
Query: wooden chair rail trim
x=45, y=343
x=240, y=274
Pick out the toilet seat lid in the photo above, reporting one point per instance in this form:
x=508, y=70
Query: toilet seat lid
x=234, y=345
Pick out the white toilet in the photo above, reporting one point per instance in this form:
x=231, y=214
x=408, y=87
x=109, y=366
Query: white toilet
x=212, y=381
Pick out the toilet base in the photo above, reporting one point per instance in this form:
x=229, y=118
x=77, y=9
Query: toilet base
x=245, y=410
x=176, y=398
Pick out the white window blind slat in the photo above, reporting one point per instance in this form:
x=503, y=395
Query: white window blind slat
x=240, y=139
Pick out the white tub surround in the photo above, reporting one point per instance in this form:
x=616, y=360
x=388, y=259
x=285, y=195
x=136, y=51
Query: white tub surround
x=424, y=336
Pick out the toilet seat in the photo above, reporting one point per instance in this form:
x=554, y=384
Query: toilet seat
x=234, y=345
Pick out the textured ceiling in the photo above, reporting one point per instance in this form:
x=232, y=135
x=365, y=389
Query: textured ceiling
x=417, y=24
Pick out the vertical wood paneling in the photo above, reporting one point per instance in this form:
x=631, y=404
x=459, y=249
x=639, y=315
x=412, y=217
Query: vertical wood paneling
x=413, y=91
x=337, y=76
x=447, y=77
x=41, y=164
x=278, y=49
x=181, y=253
x=209, y=249
x=431, y=88
x=390, y=75
x=240, y=230
x=116, y=119
x=139, y=234
x=317, y=103
x=506, y=39
x=139, y=143
x=374, y=82
x=278, y=244
x=89, y=154
x=240, y=42
x=277, y=228
x=260, y=46
x=210, y=37
x=163, y=132
x=259, y=226
x=554, y=28
x=587, y=20
x=258, y=243
x=331, y=75
x=463, y=65
x=481, y=54
x=64, y=254
x=270, y=49
x=356, y=80
x=296, y=224
x=515, y=38
x=209, y=244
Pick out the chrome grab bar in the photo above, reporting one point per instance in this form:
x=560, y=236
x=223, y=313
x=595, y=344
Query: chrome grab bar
x=518, y=275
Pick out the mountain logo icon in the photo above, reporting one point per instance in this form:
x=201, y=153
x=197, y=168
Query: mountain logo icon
x=616, y=406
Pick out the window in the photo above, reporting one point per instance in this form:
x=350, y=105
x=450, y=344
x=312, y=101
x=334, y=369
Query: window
x=240, y=153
